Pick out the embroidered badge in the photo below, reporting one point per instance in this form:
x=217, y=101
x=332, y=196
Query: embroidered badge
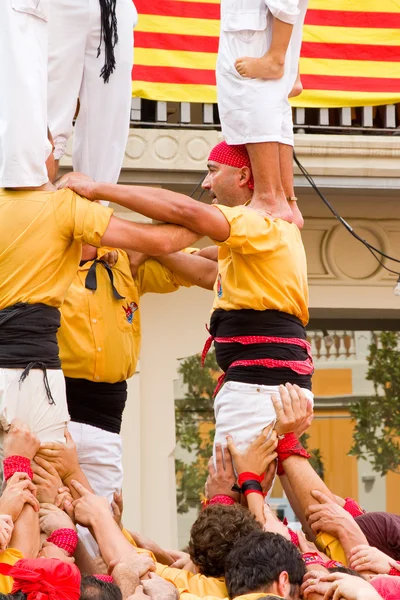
x=219, y=286
x=130, y=311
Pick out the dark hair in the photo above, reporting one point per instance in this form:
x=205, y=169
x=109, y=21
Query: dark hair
x=257, y=561
x=16, y=596
x=214, y=533
x=95, y=589
x=345, y=570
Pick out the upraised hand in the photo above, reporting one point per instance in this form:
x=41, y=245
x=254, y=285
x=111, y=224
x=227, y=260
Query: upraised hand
x=20, y=441
x=63, y=457
x=46, y=479
x=258, y=455
x=18, y=492
x=52, y=518
x=89, y=507
x=293, y=410
x=221, y=477
x=370, y=559
x=81, y=186
x=326, y=515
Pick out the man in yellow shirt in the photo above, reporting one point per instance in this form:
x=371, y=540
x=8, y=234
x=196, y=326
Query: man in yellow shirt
x=260, y=309
x=99, y=340
x=41, y=235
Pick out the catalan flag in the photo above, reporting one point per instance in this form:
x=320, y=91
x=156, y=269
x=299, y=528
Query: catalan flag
x=350, y=54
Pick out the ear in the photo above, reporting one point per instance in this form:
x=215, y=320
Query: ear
x=245, y=176
x=283, y=584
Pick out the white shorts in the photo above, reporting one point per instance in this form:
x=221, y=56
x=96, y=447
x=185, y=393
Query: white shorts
x=243, y=410
x=100, y=458
x=28, y=401
x=254, y=110
x=24, y=147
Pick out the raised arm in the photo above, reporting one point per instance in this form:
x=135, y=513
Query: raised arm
x=158, y=204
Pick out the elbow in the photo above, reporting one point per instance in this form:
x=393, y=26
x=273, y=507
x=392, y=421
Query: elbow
x=162, y=247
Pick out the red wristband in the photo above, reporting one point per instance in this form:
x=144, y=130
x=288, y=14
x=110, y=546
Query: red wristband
x=395, y=572
x=247, y=475
x=105, y=578
x=353, y=508
x=66, y=539
x=294, y=537
x=222, y=499
x=279, y=468
x=312, y=558
x=333, y=564
x=16, y=464
x=289, y=445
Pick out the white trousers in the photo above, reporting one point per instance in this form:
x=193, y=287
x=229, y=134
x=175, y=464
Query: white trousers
x=254, y=110
x=100, y=457
x=243, y=410
x=102, y=126
x=29, y=402
x=24, y=147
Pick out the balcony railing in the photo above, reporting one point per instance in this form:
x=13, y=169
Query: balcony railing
x=366, y=120
x=333, y=346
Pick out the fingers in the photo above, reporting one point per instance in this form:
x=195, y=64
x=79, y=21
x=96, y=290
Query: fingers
x=69, y=509
x=219, y=461
x=276, y=401
x=29, y=498
x=322, y=498
x=44, y=467
x=17, y=477
x=228, y=460
x=211, y=468
x=82, y=491
x=231, y=447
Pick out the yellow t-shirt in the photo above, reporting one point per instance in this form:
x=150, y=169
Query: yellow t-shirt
x=332, y=547
x=41, y=236
x=193, y=583
x=262, y=265
x=10, y=557
x=100, y=336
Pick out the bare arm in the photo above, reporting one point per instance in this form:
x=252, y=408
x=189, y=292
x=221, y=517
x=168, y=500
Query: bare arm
x=158, y=204
x=210, y=252
x=195, y=269
x=26, y=534
x=147, y=238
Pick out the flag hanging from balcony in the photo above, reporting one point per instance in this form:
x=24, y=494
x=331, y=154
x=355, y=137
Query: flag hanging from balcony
x=350, y=54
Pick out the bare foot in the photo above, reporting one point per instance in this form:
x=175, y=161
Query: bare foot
x=266, y=67
x=297, y=217
x=297, y=88
x=274, y=207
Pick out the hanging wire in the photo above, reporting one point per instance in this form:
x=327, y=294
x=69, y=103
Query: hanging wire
x=372, y=249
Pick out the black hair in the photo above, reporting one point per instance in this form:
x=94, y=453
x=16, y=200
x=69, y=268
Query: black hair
x=257, y=560
x=345, y=570
x=95, y=589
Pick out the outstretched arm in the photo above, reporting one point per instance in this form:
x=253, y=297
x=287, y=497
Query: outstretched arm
x=195, y=269
x=158, y=204
x=154, y=240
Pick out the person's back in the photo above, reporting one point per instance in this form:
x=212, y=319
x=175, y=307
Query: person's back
x=41, y=236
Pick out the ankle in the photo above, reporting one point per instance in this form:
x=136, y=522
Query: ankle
x=278, y=58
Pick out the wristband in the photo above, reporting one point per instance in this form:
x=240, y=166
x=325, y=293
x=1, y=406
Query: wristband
x=251, y=486
x=222, y=499
x=247, y=475
x=395, y=572
x=17, y=464
x=66, y=539
x=289, y=445
x=312, y=558
x=294, y=537
x=333, y=564
x=353, y=508
x=105, y=578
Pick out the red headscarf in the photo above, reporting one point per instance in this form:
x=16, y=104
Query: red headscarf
x=233, y=156
x=44, y=578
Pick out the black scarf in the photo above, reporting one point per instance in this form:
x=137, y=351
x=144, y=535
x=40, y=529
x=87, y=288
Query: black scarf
x=109, y=33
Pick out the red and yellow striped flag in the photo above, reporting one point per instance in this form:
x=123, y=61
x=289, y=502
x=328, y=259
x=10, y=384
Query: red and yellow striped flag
x=350, y=53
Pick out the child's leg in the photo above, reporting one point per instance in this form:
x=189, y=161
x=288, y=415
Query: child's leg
x=269, y=194
x=298, y=86
x=272, y=64
x=286, y=167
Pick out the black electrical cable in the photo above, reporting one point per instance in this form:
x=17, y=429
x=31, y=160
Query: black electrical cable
x=347, y=226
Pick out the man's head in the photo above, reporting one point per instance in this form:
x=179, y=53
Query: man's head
x=229, y=180
x=214, y=534
x=264, y=562
x=95, y=589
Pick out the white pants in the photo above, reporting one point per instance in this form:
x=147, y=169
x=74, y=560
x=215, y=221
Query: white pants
x=243, y=410
x=254, y=110
x=102, y=126
x=28, y=401
x=24, y=147
x=100, y=457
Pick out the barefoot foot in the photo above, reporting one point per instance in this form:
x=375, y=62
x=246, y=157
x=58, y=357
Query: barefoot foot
x=297, y=88
x=266, y=67
x=297, y=217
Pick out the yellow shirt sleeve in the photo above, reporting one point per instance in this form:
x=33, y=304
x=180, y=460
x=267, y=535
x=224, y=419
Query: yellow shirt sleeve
x=80, y=219
x=10, y=557
x=153, y=277
x=331, y=547
x=192, y=583
x=250, y=231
